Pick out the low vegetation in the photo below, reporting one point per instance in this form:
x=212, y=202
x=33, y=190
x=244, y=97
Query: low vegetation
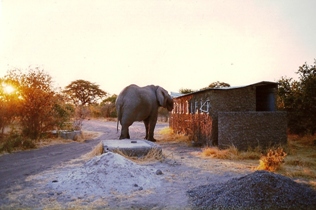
x=167, y=135
x=231, y=153
x=297, y=159
x=152, y=155
x=272, y=160
x=301, y=159
x=14, y=142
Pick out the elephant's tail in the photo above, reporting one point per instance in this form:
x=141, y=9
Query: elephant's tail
x=118, y=110
x=117, y=125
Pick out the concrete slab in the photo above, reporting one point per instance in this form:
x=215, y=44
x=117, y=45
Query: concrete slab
x=130, y=147
x=70, y=134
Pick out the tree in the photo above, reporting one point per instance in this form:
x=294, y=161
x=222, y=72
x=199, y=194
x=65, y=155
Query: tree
x=186, y=90
x=108, y=106
x=307, y=76
x=218, y=84
x=9, y=103
x=298, y=98
x=63, y=112
x=37, y=101
x=110, y=99
x=83, y=93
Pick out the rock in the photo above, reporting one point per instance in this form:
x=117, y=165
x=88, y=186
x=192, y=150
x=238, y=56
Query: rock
x=159, y=172
x=74, y=135
x=51, y=193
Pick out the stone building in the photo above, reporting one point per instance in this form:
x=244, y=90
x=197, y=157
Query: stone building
x=244, y=116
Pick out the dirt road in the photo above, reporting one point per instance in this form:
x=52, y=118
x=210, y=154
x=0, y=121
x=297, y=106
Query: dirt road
x=15, y=167
x=43, y=178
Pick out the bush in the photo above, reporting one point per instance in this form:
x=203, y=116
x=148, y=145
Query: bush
x=40, y=107
x=15, y=141
x=273, y=160
x=298, y=99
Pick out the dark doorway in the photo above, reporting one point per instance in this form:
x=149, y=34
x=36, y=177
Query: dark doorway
x=265, y=98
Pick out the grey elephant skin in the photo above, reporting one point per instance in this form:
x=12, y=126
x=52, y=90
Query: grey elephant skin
x=136, y=103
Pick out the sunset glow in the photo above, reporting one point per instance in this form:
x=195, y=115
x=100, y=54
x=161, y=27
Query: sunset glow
x=8, y=89
x=174, y=44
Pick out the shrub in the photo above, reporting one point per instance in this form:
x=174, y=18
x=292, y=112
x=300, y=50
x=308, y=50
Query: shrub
x=272, y=160
x=15, y=141
x=298, y=99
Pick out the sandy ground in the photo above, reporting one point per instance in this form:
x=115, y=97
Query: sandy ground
x=59, y=177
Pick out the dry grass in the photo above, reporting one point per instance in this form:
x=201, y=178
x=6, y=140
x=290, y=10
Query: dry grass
x=231, y=153
x=97, y=150
x=51, y=141
x=167, y=135
x=90, y=135
x=58, y=140
x=297, y=159
x=301, y=159
x=153, y=155
x=303, y=141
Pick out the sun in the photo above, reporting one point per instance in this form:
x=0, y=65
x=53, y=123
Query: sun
x=8, y=89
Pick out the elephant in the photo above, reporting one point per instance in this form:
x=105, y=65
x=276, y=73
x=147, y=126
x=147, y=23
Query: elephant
x=136, y=103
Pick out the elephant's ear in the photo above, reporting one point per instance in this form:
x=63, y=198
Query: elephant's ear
x=161, y=98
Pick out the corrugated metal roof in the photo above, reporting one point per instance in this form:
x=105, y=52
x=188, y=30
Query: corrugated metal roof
x=178, y=95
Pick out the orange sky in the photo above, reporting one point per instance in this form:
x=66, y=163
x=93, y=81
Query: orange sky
x=174, y=44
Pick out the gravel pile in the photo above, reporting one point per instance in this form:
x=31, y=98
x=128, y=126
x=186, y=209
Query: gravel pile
x=259, y=190
x=106, y=174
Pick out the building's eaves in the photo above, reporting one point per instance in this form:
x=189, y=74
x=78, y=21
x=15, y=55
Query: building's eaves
x=227, y=88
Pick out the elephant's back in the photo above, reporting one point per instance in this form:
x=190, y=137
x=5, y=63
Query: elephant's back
x=129, y=92
x=136, y=101
x=129, y=96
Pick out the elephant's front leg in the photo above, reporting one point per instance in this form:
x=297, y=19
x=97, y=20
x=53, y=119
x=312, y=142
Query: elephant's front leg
x=152, y=125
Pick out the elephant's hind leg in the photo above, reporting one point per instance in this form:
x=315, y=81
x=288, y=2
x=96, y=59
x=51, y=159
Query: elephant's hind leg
x=146, y=123
x=124, y=133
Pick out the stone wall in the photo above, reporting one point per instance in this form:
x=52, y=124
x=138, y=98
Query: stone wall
x=251, y=129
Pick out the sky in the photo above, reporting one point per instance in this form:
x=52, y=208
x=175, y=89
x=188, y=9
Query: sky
x=171, y=43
